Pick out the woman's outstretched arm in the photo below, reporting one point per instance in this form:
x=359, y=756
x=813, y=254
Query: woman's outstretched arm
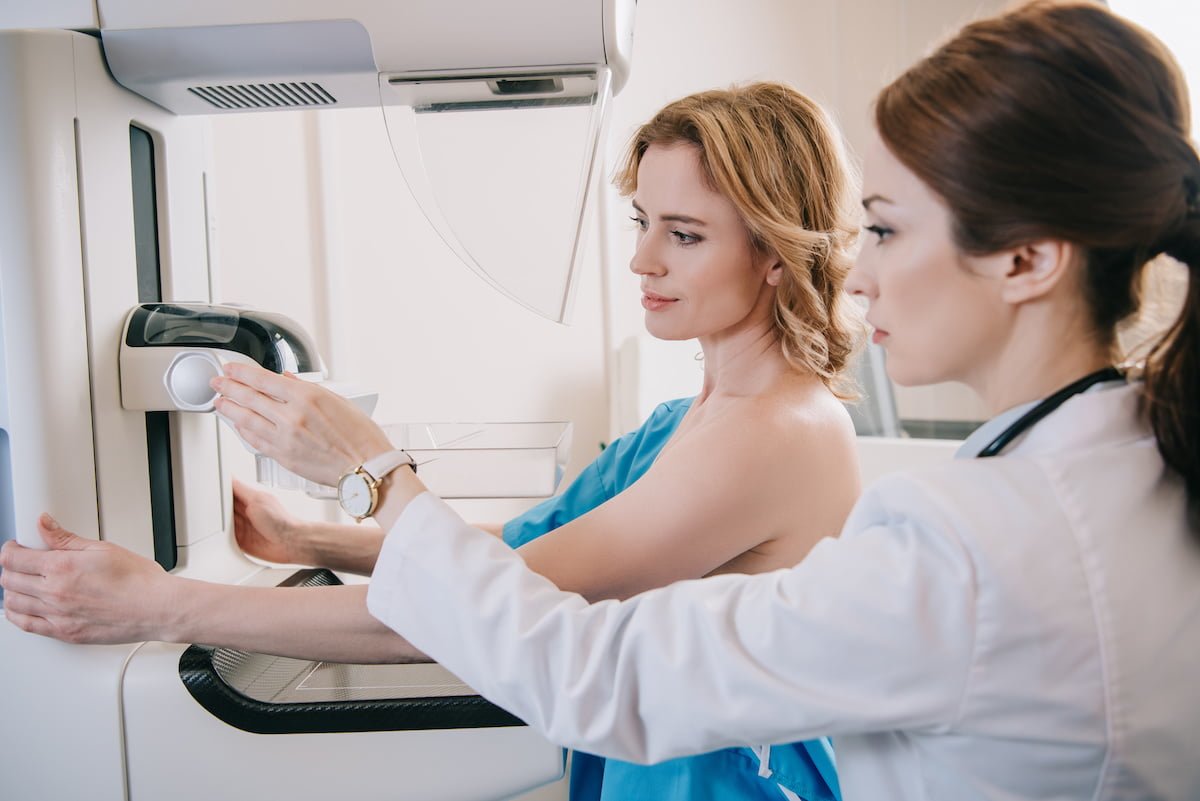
x=96, y=592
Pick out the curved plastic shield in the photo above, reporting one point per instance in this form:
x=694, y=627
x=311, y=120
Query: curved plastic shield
x=501, y=166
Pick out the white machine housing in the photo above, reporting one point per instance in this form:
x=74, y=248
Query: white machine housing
x=239, y=55
x=73, y=263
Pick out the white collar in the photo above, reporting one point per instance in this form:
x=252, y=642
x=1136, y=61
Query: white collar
x=982, y=436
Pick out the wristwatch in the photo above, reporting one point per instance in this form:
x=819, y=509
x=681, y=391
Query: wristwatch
x=358, y=490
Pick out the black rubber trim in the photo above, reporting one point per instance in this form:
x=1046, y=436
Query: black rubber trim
x=162, y=485
x=149, y=285
x=408, y=714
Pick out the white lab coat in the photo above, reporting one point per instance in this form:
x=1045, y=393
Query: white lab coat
x=1021, y=627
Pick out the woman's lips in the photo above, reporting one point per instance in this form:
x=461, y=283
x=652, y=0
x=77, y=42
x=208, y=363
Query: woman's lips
x=879, y=336
x=653, y=302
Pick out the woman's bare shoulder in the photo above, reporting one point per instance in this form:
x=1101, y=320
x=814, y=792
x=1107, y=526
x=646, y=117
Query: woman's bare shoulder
x=787, y=443
x=796, y=418
x=798, y=459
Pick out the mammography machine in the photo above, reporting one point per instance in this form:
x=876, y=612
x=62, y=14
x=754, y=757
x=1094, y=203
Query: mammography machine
x=109, y=332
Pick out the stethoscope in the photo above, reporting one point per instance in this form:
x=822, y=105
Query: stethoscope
x=1045, y=407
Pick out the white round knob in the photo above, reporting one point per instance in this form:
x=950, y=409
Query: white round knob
x=187, y=381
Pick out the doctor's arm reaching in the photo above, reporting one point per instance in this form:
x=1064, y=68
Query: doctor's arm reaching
x=698, y=665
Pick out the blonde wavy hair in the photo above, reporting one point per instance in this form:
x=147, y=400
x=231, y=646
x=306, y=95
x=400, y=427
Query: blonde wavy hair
x=778, y=158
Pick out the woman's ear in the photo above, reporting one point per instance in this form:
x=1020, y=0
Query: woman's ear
x=774, y=270
x=1034, y=270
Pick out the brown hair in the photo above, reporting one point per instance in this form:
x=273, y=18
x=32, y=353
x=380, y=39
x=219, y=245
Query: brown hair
x=777, y=157
x=1061, y=120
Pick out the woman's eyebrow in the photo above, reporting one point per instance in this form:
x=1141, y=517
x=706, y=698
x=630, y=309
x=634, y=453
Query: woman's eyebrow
x=867, y=201
x=683, y=218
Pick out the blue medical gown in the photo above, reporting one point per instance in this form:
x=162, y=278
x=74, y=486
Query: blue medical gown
x=806, y=769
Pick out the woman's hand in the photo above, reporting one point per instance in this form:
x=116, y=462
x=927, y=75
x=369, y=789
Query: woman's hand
x=304, y=427
x=264, y=529
x=83, y=591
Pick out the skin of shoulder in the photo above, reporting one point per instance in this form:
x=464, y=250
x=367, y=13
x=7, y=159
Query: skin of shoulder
x=746, y=484
x=802, y=457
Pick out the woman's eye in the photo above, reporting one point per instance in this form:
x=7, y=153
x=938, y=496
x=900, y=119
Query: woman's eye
x=685, y=239
x=640, y=222
x=880, y=231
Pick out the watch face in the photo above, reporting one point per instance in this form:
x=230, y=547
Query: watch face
x=354, y=494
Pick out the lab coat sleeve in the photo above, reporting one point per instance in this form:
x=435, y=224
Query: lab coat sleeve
x=873, y=631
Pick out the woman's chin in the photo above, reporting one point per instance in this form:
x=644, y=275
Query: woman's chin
x=911, y=375
x=658, y=329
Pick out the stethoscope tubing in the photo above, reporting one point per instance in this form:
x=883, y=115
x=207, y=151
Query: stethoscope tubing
x=1045, y=407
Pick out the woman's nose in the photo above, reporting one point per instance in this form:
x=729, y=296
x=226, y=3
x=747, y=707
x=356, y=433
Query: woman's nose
x=646, y=261
x=859, y=282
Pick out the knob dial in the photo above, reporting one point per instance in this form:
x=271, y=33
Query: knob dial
x=187, y=381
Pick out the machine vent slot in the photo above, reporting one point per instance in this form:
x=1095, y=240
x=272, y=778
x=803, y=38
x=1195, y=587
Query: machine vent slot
x=295, y=94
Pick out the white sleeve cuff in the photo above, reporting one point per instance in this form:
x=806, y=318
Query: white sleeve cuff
x=422, y=517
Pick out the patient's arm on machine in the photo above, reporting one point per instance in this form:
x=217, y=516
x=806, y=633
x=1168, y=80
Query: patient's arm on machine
x=96, y=592
x=264, y=529
x=674, y=523
x=748, y=485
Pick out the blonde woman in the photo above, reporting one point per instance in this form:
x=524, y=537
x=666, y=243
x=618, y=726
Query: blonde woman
x=745, y=217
